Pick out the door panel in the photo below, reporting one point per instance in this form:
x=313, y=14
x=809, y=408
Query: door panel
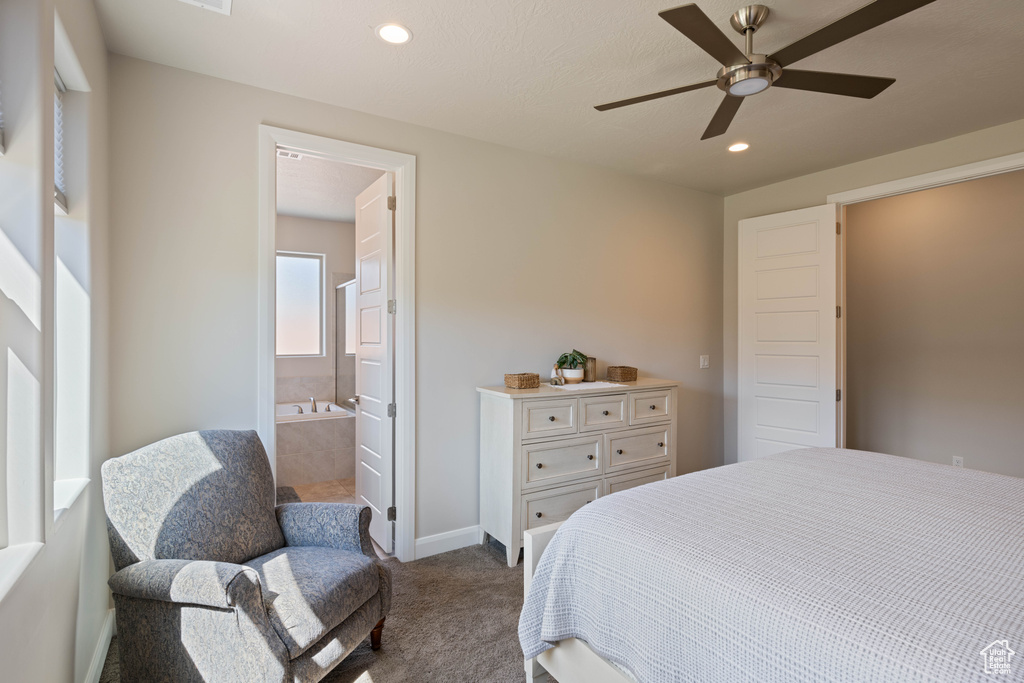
x=374, y=357
x=787, y=331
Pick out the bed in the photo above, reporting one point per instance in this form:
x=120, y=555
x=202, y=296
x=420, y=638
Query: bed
x=811, y=565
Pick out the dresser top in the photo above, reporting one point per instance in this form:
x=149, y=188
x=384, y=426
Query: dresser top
x=545, y=390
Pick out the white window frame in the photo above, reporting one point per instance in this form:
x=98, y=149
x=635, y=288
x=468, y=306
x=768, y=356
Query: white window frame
x=322, y=258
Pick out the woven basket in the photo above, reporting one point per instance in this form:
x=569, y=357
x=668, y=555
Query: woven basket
x=621, y=373
x=522, y=380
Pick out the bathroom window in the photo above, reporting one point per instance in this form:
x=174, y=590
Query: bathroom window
x=300, y=304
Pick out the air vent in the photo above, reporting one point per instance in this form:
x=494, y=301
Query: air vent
x=222, y=6
x=285, y=154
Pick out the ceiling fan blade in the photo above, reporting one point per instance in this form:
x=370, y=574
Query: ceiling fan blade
x=835, y=84
x=723, y=117
x=653, y=96
x=855, y=23
x=695, y=25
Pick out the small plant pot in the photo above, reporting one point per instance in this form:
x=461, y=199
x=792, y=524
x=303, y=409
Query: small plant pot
x=572, y=375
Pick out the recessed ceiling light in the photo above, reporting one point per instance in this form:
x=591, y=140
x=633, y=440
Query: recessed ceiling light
x=394, y=33
x=738, y=147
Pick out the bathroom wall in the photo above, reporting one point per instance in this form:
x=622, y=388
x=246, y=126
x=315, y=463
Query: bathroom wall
x=298, y=379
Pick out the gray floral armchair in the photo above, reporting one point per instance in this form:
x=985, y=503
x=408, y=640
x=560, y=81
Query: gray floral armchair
x=216, y=584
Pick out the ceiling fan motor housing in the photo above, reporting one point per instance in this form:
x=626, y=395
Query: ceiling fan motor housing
x=761, y=71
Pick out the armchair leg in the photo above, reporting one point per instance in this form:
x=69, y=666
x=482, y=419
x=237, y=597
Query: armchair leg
x=375, y=635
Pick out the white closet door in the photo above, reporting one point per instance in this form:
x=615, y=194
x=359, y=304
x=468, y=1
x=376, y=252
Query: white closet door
x=374, y=357
x=787, y=331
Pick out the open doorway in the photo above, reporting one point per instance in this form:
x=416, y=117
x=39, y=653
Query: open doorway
x=336, y=355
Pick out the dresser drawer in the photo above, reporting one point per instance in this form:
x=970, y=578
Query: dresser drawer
x=555, y=505
x=603, y=412
x=549, y=418
x=650, y=406
x=548, y=463
x=621, y=482
x=633, y=448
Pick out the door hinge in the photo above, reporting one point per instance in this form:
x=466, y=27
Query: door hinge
x=392, y=409
x=392, y=306
x=392, y=514
x=838, y=228
x=839, y=311
x=839, y=394
x=392, y=203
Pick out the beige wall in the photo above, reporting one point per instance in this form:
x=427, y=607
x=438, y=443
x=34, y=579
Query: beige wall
x=337, y=241
x=935, y=324
x=812, y=190
x=519, y=257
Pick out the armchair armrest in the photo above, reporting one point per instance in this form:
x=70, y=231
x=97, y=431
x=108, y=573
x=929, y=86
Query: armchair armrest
x=326, y=525
x=198, y=582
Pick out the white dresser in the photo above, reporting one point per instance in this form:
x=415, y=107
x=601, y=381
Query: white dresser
x=545, y=453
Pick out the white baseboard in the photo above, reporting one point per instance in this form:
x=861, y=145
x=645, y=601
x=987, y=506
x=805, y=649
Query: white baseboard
x=102, y=646
x=449, y=540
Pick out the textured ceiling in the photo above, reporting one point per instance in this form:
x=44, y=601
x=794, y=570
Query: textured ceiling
x=316, y=188
x=527, y=74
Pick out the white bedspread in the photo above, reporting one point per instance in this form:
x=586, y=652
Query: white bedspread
x=813, y=565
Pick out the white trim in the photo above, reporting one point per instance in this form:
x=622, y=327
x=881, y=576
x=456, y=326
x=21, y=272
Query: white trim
x=99, y=655
x=449, y=540
x=949, y=176
x=404, y=168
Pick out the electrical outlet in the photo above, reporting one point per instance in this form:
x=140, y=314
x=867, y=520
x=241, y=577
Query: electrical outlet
x=958, y=461
x=705, y=362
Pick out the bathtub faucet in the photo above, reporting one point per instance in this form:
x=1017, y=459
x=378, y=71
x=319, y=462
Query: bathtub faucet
x=313, y=403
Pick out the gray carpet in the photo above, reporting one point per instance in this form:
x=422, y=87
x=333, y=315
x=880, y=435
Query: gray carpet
x=453, y=618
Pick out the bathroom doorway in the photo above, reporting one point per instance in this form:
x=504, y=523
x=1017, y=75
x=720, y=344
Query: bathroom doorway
x=334, y=231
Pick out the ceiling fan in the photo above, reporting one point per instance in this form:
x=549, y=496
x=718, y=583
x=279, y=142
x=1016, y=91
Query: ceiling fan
x=745, y=73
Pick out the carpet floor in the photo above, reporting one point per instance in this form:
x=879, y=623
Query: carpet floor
x=454, y=617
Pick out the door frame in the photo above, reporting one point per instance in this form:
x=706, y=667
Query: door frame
x=925, y=181
x=404, y=168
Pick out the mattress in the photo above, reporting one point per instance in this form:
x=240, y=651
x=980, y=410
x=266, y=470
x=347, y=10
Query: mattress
x=811, y=565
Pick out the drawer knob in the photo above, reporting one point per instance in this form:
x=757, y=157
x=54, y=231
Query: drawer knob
x=552, y=418
x=661, y=444
x=619, y=451
x=540, y=465
x=605, y=412
x=538, y=515
x=590, y=457
x=653, y=407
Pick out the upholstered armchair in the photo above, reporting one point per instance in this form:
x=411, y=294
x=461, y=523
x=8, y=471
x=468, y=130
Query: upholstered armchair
x=216, y=584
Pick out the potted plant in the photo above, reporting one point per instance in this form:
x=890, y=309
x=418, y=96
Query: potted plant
x=572, y=365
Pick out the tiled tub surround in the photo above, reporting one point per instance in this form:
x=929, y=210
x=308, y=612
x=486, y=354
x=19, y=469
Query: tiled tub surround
x=298, y=389
x=316, y=449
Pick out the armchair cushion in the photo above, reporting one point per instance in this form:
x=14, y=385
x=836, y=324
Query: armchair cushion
x=196, y=582
x=329, y=525
x=309, y=591
x=197, y=496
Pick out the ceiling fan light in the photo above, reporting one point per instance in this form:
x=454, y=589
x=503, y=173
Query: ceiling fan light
x=738, y=147
x=749, y=86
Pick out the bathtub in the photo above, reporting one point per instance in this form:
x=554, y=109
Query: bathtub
x=289, y=412
x=314, y=447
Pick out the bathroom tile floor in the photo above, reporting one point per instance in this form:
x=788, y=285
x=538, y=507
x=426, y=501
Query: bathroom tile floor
x=334, y=491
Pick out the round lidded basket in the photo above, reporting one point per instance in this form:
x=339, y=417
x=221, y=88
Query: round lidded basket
x=522, y=380
x=621, y=373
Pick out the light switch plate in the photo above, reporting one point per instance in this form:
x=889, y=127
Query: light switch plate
x=705, y=362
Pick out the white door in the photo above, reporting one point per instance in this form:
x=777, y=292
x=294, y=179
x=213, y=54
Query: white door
x=374, y=354
x=787, y=332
